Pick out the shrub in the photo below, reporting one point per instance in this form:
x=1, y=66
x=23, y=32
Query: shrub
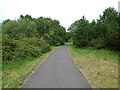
x=97, y=43
x=20, y=49
x=8, y=46
x=57, y=44
x=70, y=40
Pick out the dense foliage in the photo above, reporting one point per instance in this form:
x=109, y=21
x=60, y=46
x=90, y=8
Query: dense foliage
x=20, y=49
x=51, y=31
x=103, y=33
x=26, y=27
x=30, y=37
x=68, y=37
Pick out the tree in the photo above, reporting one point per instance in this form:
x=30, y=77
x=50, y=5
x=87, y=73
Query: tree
x=42, y=28
x=104, y=33
x=80, y=31
x=109, y=20
x=19, y=30
x=26, y=17
x=6, y=21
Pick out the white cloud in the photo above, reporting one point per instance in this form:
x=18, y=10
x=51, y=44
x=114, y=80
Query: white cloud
x=66, y=11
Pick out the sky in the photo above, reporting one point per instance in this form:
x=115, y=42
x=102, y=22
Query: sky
x=66, y=11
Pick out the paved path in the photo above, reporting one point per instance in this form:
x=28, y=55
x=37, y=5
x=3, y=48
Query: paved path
x=57, y=71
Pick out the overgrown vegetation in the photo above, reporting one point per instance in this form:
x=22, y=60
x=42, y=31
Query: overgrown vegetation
x=28, y=38
x=14, y=73
x=102, y=33
x=24, y=40
x=31, y=37
x=20, y=49
x=100, y=66
x=96, y=47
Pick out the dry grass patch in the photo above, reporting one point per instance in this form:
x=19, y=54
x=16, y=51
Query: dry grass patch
x=100, y=66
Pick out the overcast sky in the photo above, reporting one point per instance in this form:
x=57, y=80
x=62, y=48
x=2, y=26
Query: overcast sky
x=66, y=11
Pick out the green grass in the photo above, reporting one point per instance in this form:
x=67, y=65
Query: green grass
x=100, y=66
x=14, y=73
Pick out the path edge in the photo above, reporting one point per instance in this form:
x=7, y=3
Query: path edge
x=80, y=70
x=37, y=67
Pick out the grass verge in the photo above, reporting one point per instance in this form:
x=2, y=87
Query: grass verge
x=14, y=73
x=99, y=66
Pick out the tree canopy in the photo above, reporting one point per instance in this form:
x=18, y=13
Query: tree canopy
x=27, y=27
x=102, y=33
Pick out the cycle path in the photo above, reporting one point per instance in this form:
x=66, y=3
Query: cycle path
x=57, y=71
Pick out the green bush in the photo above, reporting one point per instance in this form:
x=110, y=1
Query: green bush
x=70, y=40
x=57, y=44
x=8, y=46
x=97, y=43
x=20, y=49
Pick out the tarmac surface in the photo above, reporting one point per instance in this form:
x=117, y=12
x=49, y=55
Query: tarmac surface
x=57, y=71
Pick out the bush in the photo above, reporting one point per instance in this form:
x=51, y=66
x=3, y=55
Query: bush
x=97, y=43
x=57, y=44
x=8, y=50
x=70, y=40
x=20, y=49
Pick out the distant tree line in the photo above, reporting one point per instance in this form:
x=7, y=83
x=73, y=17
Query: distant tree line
x=102, y=33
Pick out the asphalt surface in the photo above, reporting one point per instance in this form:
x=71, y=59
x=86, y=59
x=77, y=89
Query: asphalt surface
x=57, y=71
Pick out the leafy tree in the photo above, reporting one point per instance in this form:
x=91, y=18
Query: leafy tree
x=9, y=28
x=28, y=27
x=6, y=21
x=19, y=30
x=43, y=25
x=26, y=17
x=51, y=31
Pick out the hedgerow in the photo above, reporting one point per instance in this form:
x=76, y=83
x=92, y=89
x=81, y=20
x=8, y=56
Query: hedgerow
x=20, y=49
